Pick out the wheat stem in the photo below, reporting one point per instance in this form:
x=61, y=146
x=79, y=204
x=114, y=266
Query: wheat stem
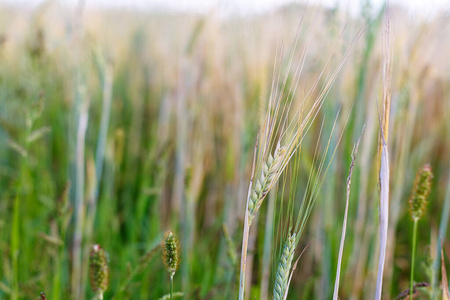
x=244, y=246
x=267, y=247
x=245, y=234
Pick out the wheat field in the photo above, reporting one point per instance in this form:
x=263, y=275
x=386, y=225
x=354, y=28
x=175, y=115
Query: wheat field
x=118, y=126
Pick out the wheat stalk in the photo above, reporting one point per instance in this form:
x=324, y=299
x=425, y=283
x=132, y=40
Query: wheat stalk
x=287, y=134
x=384, y=158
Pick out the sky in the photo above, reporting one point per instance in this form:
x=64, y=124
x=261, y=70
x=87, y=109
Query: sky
x=423, y=7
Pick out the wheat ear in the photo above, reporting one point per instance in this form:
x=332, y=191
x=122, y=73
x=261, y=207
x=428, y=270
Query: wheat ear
x=284, y=266
x=270, y=170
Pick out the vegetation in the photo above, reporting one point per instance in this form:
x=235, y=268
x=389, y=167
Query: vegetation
x=233, y=134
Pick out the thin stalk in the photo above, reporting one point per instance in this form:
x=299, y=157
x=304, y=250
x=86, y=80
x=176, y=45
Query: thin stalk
x=442, y=233
x=16, y=226
x=93, y=193
x=179, y=199
x=413, y=258
x=77, y=277
x=100, y=295
x=15, y=244
x=253, y=233
x=246, y=233
x=101, y=146
x=344, y=226
x=171, y=286
x=267, y=247
x=56, y=278
x=244, y=247
x=383, y=217
x=384, y=157
x=58, y=265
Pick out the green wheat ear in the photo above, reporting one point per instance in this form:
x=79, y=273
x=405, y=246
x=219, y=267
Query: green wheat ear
x=270, y=172
x=420, y=192
x=171, y=252
x=98, y=269
x=284, y=267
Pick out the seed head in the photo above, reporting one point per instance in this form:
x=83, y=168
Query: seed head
x=420, y=192
x=171, y=252
x=284, y=267
x=98, y=269
x=270, y=171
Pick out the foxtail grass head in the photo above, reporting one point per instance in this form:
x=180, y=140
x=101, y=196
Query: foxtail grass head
x=420, y=192
x=98, y=269
x=171, y=252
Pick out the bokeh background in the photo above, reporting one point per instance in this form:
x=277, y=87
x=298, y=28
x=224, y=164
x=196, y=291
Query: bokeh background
x=119, y=122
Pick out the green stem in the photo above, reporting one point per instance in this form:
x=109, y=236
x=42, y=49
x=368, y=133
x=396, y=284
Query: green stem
x=15, y=244
x=413, y=258
x=100, y=296
x=171, y=286
x=16, y=232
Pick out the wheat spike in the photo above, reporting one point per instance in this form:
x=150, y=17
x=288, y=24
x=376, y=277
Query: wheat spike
x=284, y=266
x=270, y=171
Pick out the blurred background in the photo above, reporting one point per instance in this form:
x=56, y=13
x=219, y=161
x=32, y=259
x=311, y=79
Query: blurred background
x=120, y=120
